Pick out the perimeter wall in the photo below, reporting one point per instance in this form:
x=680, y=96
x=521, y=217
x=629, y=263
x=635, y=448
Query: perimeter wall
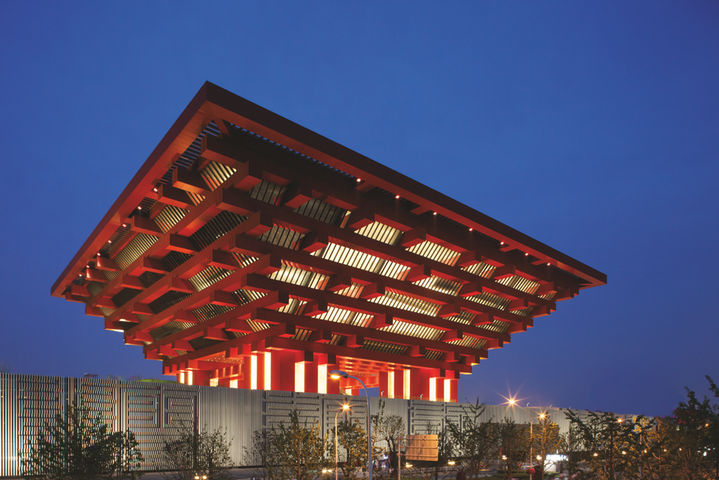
x=155, y=412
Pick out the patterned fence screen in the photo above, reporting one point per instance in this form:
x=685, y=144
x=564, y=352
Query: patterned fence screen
x=156, y=412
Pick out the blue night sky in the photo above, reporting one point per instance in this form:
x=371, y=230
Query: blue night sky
x=591, y=126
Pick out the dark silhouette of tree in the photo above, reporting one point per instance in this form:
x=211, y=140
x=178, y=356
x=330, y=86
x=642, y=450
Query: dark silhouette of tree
x=572, y=445
x=474, y=441
x=78, y=446
x=198, y=453
x=297, y=450
x=388, y=429
x=545, y=439
x=513, y=445
x=698, y=435
x=353, y=441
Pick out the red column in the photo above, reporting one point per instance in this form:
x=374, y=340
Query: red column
x=452, y=384
x=261, y=365
x=244, y=377
x=201, y=377
x=384, y=385
x=310, y=371
x=399, y=383
x=419, y=384
x=439, y=381
x=283, y=370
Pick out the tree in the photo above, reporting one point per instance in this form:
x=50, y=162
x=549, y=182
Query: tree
x=572, y=445
x=513, y=444
x=545, y=439
x=610, y=441
x=296, y=450
x=198, y=453
x=260, y=450
x=474, y=441
x=444, y=445
x=660, y=444
x=698, y=435
x=77, y=446
x=388, y=429
x=353, y=439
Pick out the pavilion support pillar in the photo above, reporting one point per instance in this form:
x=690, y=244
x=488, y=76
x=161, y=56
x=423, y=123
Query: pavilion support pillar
x=450, y=389
x=419, y=383
x=264, y=370
x=305, y=373
x=250, y=371
x=200, y=377
x=436, y=389
x=322, y=374
x=403, y=385
x=387, y=384
x=283, y=370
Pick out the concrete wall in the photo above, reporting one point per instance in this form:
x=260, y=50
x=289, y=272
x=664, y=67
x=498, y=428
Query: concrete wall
x=156, y=411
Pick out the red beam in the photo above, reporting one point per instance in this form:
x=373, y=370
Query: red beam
x=264, y=284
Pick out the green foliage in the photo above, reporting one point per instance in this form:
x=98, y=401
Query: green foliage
x=697, y=433
x=683, y=447
x=260, y=450
x=513, y=444
x=77, y=446
x=612, y=443
x=474, y=442
x=295, y=450
x=572, y=445
x=353, y=441
x=544, y=439
x=198, y=453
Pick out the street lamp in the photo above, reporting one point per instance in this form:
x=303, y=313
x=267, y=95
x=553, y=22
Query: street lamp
x=335, y=375
x=345, y=408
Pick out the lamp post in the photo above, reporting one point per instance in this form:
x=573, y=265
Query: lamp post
x=344, y=408
x=335, y=375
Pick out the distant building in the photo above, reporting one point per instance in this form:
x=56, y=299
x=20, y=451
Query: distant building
x=251, y=252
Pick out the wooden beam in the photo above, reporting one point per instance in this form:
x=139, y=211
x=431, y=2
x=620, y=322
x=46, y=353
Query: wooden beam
x=234, y=321
x=228, y=284
x=145, y=225
x=265, y=284
x=341, y=351
x=189, y=180
x=317, y=324
x=449, y=305
x=242, y=203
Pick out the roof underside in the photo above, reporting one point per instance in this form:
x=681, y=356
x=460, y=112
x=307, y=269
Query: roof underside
x=243, y=227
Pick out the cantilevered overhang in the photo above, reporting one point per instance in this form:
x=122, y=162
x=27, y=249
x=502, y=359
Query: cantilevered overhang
x=247, y=246
x=213, y=102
